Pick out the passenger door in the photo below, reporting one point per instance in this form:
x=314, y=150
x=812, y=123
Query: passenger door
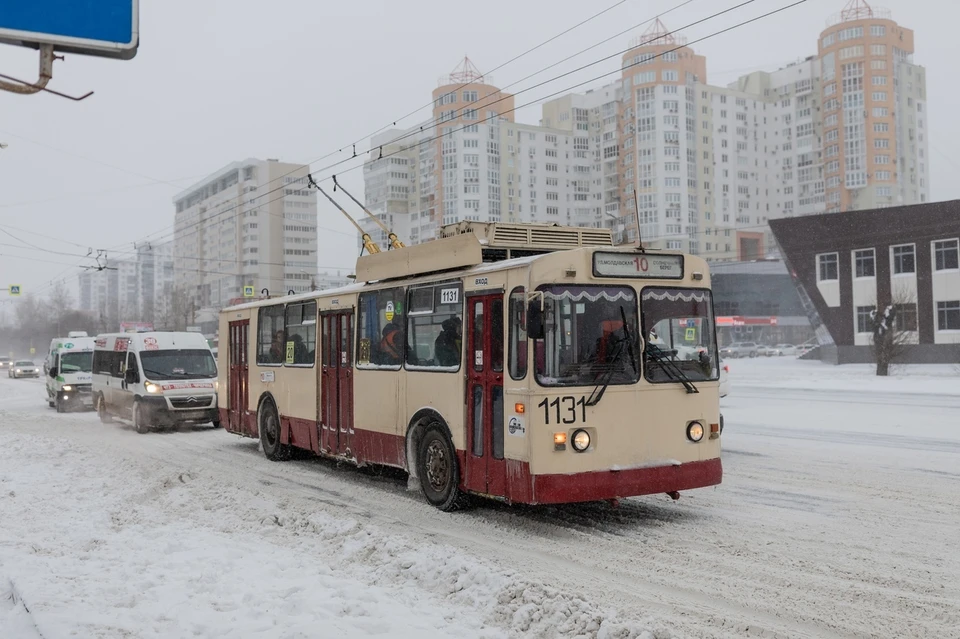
x=485, y=465
x=237, y=378
x=124, y=399
x=336, y=383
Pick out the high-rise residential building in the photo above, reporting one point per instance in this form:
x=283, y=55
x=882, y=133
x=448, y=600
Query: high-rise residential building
x=139, y=288
x=874, y=112
x=253, y=222
x=664, y=157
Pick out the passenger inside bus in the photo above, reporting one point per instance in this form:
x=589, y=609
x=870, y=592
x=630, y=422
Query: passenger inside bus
x=391, y=349
x=277, y=349
x=448, y=342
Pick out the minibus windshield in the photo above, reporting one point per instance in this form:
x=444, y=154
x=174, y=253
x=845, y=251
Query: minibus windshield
x=679, y=328
x=178, y=364
x=585, y=341
x=76, y=362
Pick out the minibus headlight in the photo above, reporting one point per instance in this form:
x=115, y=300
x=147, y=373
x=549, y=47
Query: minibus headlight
x=150, y=387
x=67, y=387
x=694, y=431
x=580, y=440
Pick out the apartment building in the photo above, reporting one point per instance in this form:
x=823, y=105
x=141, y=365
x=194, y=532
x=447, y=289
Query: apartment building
x=253, y=222
x=664, y=157
x=139, y=288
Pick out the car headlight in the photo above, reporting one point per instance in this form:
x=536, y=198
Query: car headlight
x=580, y=440
x=18, y=371
x=694, y=431
x=67, y=387
x=150, y=387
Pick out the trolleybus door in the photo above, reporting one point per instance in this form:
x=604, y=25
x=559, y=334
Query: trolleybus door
x=485, y=466
x=336, y=392
x=237, y=382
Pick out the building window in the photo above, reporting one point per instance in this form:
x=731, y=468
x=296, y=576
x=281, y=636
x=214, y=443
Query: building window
x=948, y=316
x=904, y=259
x=669, y=75
x=827, y=267
x=864, y=323
x=946, y=255
x=864, y=263
x=905, y=317
x=878, y=30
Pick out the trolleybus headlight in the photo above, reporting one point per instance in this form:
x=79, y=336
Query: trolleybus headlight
x=580, y=440
x=694, y=431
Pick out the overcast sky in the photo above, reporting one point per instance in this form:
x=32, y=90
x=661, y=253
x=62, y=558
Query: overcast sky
x=216, y=81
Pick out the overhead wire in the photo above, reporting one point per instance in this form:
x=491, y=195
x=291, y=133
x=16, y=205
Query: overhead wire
x=434, y=138
x=429, y=104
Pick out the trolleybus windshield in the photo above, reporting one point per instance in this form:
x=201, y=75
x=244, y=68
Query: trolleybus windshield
x=584, y=341
x=679, y=327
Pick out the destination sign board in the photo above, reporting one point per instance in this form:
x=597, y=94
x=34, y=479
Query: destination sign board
x=643, y=265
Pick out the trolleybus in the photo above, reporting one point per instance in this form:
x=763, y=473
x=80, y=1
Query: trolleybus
x=534, y=364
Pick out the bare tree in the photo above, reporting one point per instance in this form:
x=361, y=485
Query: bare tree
x=894, y=325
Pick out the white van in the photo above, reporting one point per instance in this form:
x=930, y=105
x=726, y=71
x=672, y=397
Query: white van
x=68, y=372
x=155, y=379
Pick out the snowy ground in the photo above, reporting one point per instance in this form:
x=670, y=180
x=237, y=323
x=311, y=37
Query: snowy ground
x=838, y=517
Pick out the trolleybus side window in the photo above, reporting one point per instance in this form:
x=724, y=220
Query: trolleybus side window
x=679, y=328
x=301, y=334
x=434, y=327
x=584, y=340
x=381, y=341
x=517, y=352
x=271, y=341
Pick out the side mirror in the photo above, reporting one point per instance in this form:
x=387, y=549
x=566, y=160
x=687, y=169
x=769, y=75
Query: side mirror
x=131, y=377
x=53, y=371
x=535, y=329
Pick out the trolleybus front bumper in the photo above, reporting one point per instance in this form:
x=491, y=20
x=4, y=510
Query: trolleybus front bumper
x=617, y=484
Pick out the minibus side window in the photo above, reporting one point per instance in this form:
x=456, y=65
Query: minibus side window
x=517, y=352
x=271, y=337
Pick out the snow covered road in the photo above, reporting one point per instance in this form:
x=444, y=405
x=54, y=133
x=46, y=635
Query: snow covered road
x=837, y=518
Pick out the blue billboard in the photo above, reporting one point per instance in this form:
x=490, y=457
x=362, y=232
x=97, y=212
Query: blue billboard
x=107, y=28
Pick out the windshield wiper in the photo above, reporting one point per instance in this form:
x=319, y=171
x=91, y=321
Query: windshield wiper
x=601, y=387
x=670, y=367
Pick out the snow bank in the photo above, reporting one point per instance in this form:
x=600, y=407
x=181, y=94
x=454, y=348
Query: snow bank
x=796, y=374
x=104, y=544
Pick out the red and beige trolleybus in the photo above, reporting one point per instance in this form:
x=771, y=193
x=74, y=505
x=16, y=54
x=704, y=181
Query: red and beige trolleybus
x=535, y=364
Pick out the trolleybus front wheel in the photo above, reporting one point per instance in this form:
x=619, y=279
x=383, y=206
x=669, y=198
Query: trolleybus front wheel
x=270, y=434
x=439, y=470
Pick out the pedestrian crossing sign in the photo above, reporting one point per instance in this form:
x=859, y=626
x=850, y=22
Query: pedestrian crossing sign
x=15, y=289
x=248, y=291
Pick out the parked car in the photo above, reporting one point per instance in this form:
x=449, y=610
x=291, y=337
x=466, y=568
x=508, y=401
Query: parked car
x=785, y=349
x=23, y=368
x=766, y=350
x=5, y=362
x=739, y=349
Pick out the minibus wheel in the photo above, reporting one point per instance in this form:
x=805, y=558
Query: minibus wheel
x=105, y=417
x=439, y=470
x=269, y=424
x=139, y=423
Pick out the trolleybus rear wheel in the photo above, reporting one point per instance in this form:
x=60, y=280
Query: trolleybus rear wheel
x=270, y=434
x=439, y=470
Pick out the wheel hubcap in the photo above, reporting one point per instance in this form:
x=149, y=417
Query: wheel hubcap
x=270, y=429
x=438, y=466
